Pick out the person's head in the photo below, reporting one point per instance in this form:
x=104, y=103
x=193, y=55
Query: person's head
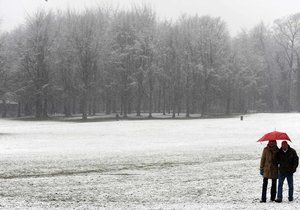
x=272, y=143
x=284, y=145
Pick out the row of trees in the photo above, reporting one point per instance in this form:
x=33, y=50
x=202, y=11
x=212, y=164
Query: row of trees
x=128, y=61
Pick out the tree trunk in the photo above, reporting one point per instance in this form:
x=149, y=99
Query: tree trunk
x=228, y=98
x=129, y=107
x=154, y=102
x=187, y=95
x=204, y=100
x=150, y=95
x=90, y=108
x=84, y=106
x=107, y=103
x=4, y=106
x=150, y=103
x=121, y=108
x=159, y=100
x=125, y=107
x=67, y=107
x=114, y=105
x=45, y=108
x=38, y=106
x=139, y=96
x=53, y=109
x=19, y=108
x=74, y=105
x=169, y=102
x=298, y=83
x=164, y=100
x=94, y=107
x=174, y=102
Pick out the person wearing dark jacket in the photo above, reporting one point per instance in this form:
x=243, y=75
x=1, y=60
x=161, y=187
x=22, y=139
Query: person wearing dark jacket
x=269, y=169
x=288, y=162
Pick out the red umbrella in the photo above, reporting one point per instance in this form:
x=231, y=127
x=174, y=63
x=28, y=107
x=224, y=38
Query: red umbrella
x=275, y=135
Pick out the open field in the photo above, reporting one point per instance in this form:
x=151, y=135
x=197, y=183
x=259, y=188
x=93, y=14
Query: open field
x=167, y=164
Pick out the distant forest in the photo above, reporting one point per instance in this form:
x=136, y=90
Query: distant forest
x=116, y=61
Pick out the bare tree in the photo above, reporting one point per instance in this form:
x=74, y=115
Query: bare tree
x=35, y=54
x=87, y=30
x=286, y=34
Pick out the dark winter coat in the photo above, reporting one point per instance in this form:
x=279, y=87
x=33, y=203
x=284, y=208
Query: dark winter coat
x=268, y=163
x=288, y=161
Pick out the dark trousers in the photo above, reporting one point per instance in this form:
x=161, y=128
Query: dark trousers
x=264, y=189
x=290, y=181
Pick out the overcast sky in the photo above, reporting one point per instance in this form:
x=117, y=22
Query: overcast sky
x=238, y=14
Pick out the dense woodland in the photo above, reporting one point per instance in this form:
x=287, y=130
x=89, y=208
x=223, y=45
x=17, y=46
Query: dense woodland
x=124, y=62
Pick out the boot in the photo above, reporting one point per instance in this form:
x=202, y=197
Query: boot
x=262, y=201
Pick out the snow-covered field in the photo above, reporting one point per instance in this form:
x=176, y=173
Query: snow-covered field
x=153, y=164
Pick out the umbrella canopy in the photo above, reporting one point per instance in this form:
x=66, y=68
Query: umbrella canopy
x=273, y=136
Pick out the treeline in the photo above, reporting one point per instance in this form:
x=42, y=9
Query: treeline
x=130, y=62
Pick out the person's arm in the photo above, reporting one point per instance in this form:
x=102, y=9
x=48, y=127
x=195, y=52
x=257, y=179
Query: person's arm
x=262, y=162
x=296, y=161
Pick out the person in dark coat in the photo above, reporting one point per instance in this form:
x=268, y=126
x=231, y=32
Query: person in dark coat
x=288, y=162
x=269, y=169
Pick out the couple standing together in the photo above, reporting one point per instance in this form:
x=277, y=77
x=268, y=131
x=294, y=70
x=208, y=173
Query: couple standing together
x=278, y=164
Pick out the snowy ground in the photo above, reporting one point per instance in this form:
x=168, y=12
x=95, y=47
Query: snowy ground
x=167, y=164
